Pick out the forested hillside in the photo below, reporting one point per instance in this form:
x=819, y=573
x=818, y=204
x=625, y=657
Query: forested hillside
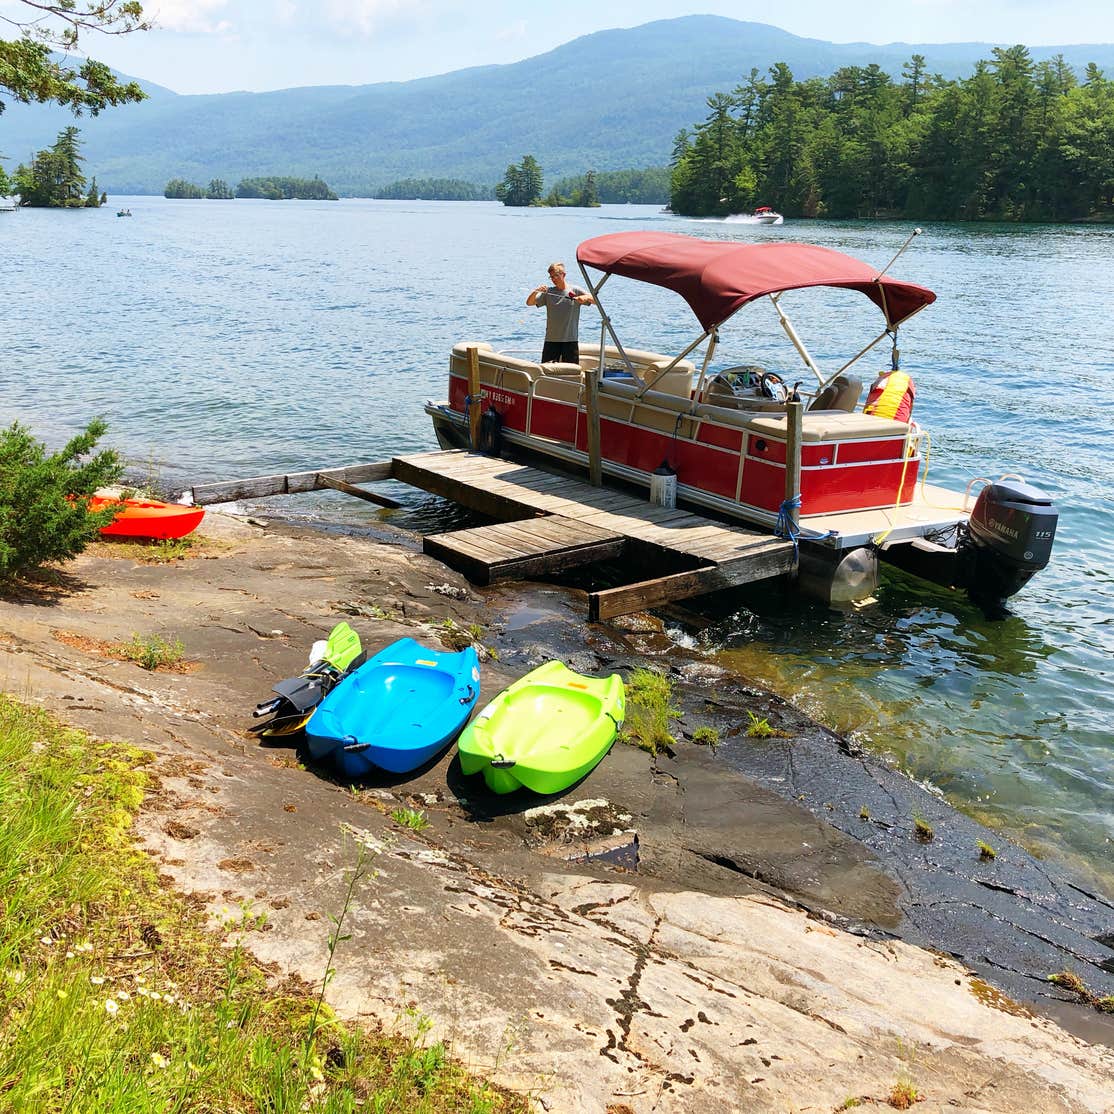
x=624, y=94
x=1017, y=140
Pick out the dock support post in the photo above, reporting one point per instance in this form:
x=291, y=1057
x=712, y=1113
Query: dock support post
x=474, y=396
x=794, y=410
x=592, y=405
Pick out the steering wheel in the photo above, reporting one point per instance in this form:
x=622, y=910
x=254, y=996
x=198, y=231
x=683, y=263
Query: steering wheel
x=771, y=385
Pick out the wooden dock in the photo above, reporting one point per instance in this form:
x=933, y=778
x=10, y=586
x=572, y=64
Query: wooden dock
x=550, y=523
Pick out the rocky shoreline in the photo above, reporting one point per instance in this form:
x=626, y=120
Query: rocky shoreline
x=733, y=928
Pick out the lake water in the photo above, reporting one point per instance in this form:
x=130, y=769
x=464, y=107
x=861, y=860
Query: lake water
x=224, y=340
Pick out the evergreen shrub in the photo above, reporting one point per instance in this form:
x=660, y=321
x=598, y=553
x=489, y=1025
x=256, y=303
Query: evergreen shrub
x=44, y=497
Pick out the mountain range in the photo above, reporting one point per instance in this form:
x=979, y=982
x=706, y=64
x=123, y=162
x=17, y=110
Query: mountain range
x=610, y=100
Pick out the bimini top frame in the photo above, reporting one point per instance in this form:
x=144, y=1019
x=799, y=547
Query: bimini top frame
x=717, y=278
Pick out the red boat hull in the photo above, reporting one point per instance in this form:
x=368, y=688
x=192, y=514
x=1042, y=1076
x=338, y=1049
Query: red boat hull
x=737, y=464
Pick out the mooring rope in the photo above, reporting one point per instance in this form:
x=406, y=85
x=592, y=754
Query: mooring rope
x=785, y=527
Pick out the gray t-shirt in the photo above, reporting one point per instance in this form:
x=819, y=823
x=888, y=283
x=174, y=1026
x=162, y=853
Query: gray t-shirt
x=562, y=322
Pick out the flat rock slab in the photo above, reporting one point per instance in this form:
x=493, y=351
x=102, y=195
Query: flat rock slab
x=709, y=972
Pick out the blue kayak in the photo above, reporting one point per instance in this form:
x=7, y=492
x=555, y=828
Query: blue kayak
x=397, y=711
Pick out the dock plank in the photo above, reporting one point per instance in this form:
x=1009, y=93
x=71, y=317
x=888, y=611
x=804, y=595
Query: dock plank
x=528, y=547
x=552, y=522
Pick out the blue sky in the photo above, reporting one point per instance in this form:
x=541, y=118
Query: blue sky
x=210, y=46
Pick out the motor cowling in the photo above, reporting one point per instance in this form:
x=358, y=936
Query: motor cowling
x=1009, y=538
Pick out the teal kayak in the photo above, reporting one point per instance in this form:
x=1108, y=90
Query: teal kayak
x=544, y=732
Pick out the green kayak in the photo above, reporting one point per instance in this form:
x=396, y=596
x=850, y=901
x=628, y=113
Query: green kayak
x=544, y=732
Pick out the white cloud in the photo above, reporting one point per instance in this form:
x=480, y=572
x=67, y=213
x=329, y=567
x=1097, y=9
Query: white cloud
x=516, y=30
x=187, y=15
x=368, y=16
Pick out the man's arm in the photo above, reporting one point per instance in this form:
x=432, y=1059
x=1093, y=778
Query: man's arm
x=534, y=295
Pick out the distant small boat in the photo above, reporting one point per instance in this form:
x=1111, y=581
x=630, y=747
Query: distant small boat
x=544, y=732
x=123, y=212
x=765, y=215
x=147, y=518
x=400, y=709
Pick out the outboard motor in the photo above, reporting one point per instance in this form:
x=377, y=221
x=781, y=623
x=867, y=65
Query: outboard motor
x=1009, y=537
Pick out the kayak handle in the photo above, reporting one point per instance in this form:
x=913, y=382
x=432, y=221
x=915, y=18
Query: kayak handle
x=470, y=697
x=352, y=748
x=269, y=706
x=498, y=762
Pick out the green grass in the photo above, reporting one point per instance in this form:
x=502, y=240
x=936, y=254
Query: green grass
x=115, y=998
x=923, y=832
x=706, y=737
x=649, y=711
x=986, y=852
x=150, y=651
x=411, y=818
x=759, y=727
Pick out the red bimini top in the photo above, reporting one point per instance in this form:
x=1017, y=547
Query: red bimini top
x=717, y=277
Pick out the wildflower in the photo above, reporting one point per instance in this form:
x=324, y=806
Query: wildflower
x=63, y=994
x=84, y=946
x=110, y=1007
x=155, y=996
x=159, y=1060
x=123, y=996
x=46, y=941
x=97, y=980
x=69, y=955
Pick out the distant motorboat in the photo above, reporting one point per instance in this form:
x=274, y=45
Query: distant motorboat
x=762, y=215
x=123, y=212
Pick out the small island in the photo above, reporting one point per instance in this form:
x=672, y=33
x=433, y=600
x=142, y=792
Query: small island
x=272, y=188
x=522, y=185
x=54, y=180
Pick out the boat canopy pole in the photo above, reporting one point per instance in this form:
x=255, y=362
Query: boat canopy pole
x=791, y=333
x=713, y=340
x=676, y=360
x=609, y=328
x=605, y=324
x=859, y=355
x=900, y=252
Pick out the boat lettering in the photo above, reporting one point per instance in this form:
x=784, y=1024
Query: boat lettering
x=1002, y=528
x=501, y=397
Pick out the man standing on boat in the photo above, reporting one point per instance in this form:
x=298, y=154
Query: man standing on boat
x=562, y=321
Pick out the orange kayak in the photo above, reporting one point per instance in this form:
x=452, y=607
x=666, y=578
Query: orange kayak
x=147, y=518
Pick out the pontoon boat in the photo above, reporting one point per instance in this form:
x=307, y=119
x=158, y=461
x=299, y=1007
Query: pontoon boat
x=725, y=433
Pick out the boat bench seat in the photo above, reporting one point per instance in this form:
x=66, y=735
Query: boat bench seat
x=497, y=369
x=831, y=425
x=646, y=366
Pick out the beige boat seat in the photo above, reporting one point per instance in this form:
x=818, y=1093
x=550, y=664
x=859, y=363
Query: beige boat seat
x=831, y=425
x=647, y=365
x=842, y=393
x=497, y=369
x=562, y=388
x=664, y=412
